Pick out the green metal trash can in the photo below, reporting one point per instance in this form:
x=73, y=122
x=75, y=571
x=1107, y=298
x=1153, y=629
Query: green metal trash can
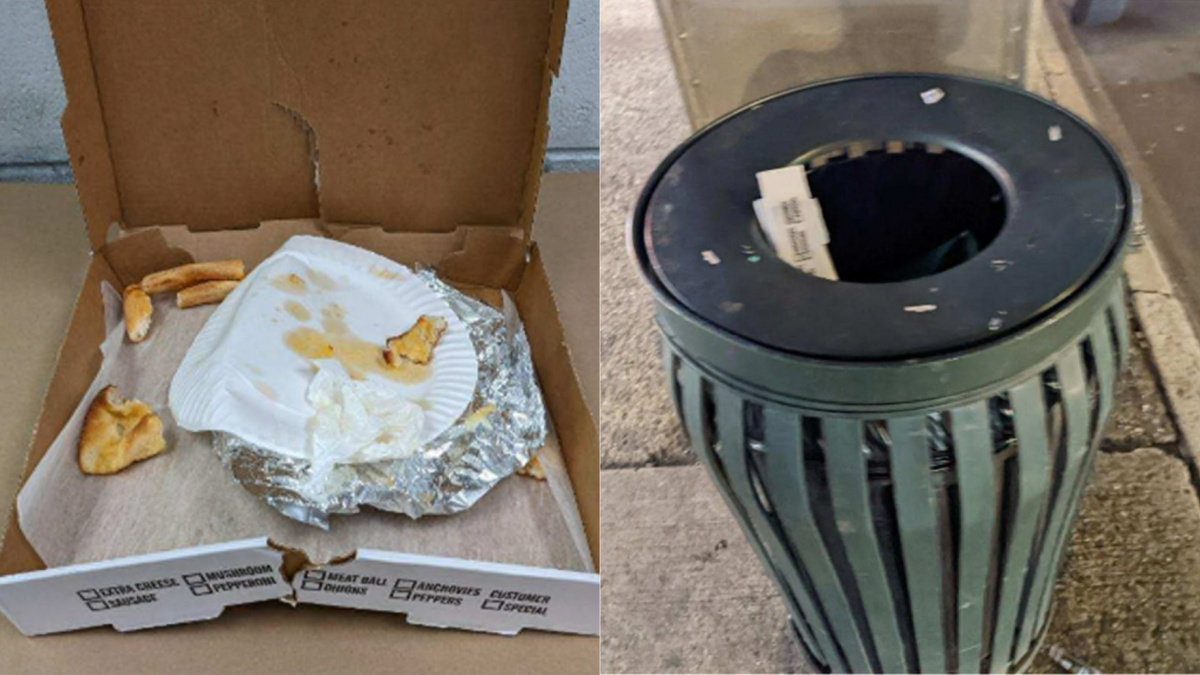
x=905, y=448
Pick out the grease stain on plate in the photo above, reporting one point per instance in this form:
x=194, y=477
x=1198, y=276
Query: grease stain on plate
x=321, y=280
x=333, y=319
x=358, y=357
x=266, y=390
x=298, y=311
x=290, y=283
x=387, y=275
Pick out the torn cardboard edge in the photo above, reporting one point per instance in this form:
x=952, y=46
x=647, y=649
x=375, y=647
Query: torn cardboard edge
x=90, y=137
x=197, y=584
x=314, y=151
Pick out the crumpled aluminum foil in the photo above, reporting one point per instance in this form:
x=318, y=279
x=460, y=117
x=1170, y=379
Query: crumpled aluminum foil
x=498, y=433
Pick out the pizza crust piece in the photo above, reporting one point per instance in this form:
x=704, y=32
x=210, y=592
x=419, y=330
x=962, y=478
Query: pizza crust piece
x=118, y=432
x=416, y=345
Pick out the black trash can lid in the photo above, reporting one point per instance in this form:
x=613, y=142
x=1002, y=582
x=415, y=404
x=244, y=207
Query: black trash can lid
x=1041, y=200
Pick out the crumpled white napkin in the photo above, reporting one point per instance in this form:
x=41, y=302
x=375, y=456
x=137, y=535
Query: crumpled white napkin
x=358, y=421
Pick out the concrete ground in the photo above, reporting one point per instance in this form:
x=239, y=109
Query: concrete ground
x=1148, y=65
x=682, y=590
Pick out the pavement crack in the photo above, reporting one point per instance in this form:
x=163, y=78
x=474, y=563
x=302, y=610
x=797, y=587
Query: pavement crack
x=665, y=462
x=1180, y=448
x=1174, y=450
x=1164, y=294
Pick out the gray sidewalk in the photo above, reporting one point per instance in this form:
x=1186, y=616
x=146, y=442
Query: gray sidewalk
x=682, y=590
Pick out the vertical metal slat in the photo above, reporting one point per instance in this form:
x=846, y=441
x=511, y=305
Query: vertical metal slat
x=787, y=484
x=731, y=430
x=916, y=512
x=1121, y=317
x=1106, y=375
x=1102, y=350
x=976, y=487
x=1074, y=397
x=847, y=469
x=693, y=404
x=1033, y=478
x=668, y=358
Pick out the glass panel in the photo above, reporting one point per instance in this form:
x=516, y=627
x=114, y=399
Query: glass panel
x=730, y=53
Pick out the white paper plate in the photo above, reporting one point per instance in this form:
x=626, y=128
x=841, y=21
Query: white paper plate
x=240, y=377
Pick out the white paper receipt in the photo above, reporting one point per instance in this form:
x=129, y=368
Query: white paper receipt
x=293, y=359
x=793, y=222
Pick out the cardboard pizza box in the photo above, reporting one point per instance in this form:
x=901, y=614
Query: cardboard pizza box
x=211, y=129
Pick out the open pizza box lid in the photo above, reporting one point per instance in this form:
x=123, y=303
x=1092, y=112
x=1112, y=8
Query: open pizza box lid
x=413, y=116
x=357, y=118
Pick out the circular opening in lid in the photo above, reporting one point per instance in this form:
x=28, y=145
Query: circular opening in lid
x=904, y=211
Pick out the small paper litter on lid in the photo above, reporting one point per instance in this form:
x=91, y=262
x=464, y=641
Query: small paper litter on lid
x=932, y=96
x=920, y=309
x=710, y=258
x=1056, y=133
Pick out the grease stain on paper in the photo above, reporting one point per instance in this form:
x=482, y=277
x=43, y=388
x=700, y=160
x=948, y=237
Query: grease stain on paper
x=357, y=356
